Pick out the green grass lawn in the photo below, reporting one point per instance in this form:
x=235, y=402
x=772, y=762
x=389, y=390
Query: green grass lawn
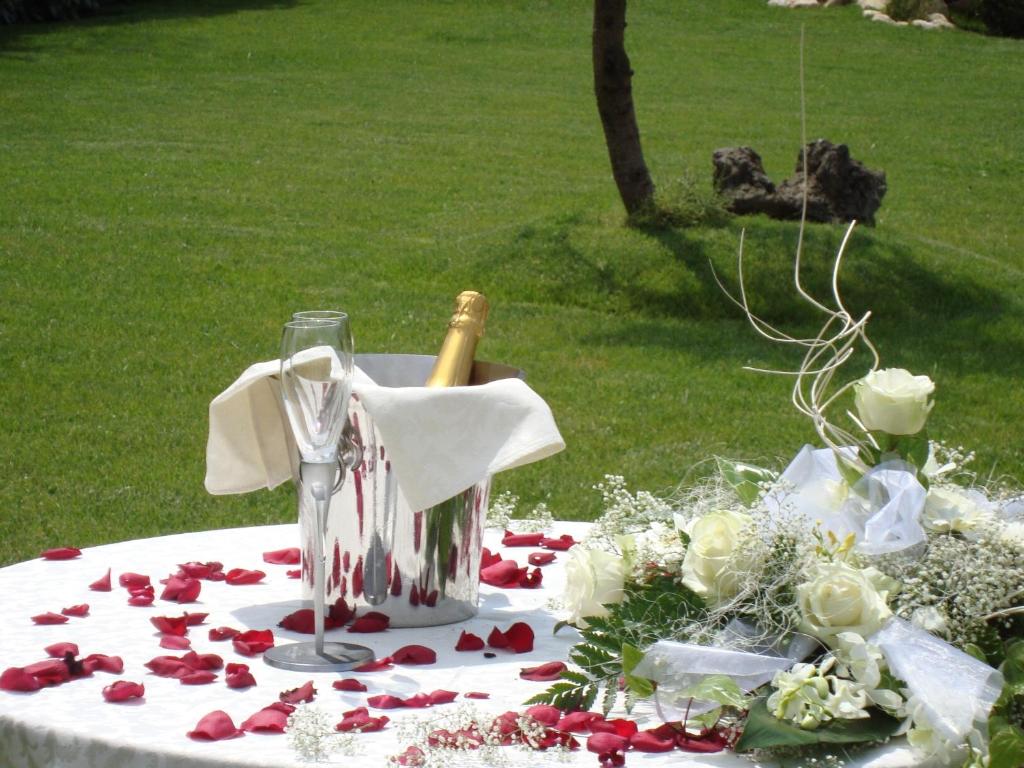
x=178, y=177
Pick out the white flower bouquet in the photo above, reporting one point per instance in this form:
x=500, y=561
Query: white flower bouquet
x=859, y=594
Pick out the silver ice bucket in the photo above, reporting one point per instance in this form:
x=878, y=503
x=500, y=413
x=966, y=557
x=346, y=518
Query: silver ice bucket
x=420, y=567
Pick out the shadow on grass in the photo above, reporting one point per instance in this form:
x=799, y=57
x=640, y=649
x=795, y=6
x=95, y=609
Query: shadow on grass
x=15, y=38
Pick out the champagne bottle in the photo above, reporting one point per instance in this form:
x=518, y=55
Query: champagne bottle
x=455, y=360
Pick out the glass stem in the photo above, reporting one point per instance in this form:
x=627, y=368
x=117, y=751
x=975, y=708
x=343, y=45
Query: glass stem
x=321, y=481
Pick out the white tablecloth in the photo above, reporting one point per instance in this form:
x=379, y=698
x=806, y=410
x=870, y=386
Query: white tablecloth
x=71, y=726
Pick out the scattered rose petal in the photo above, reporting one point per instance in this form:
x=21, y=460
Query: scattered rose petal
x=541, y=558
x=133, y=580
x=518, y=638
x=545, y=714
x=417, y=701
x=168, y=666
x=302, y=620
x=17, y=679
x=238, y=676
x=203, y=660
x=531, y=580
x=101, y=584
x=170, y=625
x=60, y=650
x=371, y=622
x=469, y=642
x=60, y=553
x=198, y=677
x=286, y=556
x=253, y=642
x=411, y=757
x=141, y=596
x=175, y=642
x=607, y=742
x=340, y=614
x=504, y=573
x=214, y=727
x=543, y=673
x=349, y=684
x=359, y=719
x=181, y=590
x=267, y=720
x=488, y=558
x=49, y=618
x=223, y=633
x=192, y=619
x=294, y=574
x=303, y=693
x=442, y=696
x=375, y=666
x=649, y=741
x=522, y=539
x=414, y=654
x=476, y=695
x=706, y=743
x=210, y=571
x=385, y=701
x=562, y=543
x=103, y=663
x=123, y=690
x=619, y=726
x=239, y=576
x=49, y=672
x=579, y=722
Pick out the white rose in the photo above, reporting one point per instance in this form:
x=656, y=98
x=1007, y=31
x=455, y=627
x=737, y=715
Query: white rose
x=593, y=578
x=712, y=567
x=893, y=401
x=947, y=510
x=841, y=598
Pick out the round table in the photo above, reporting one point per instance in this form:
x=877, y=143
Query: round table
x=71, y=726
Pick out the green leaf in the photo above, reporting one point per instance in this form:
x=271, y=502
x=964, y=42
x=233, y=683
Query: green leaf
x=973, y=650
x=764, y=730
x=1006, y=750
x=745, y=479
x=641, y=686
x=720, y=689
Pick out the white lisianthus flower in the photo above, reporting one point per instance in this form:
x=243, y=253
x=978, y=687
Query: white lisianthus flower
x=893, y=401
x=800, y=696
x=947, y=510
x=864, y=663
x=712, y=566
x=593, y=578
x=842, y=598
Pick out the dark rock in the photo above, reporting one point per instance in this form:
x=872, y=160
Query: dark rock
x=839, y=187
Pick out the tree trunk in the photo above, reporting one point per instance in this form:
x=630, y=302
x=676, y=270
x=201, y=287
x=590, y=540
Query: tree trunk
x=613, y=88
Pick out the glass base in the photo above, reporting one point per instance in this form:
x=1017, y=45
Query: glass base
x=336, y=657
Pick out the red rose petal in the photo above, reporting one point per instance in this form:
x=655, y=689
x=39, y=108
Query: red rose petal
x=267, y=720
x=522, y=539
x=545, y=714
x=541, y=558
x=375, y=666
x=649, y=741
x=253, y=642
x=340, y=614
x=175, y=642
x=238, y=676
x=100, y=661
x=302, y=620
x=101, y=584
x=618, y=726
x=349, y=684
x=417, y=701
x=49, y=618
x=579, y=722
x=360, y=720
x=60, y=650
x=385, y=701
x=497, y=639
x=49, y=672
x=705, y=743
x=17, y=679
x=518, y=638
x=203, y=660
x=442, y=696
x=504, y=573
x=543, y=673
x=215, y=726
x=411, y=757
x=531, y=580
x=193, y=619
x=287, y=556
x=238, y=576
x=469, y=642
x=140, y=601
x=488, y=558
x=295, y=574
x=476, y=695
x=210, y=571
x=181, y=590
x=371, y=622
x=133, y=580
x=170, y=625
x=607, y=742
x=198, y=677
x=167, y=666
x=223, y=633
x=562, y=543
x=305, y=692
x=414, y=654
x=123, y=690
x=60, y=553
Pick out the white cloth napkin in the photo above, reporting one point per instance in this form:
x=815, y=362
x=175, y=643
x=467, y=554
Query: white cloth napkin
x=440, y=440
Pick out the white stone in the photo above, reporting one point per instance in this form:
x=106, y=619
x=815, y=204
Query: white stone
x=803, y=3
x=924, y=24
x=941, y=21
x=883, y=18
x=873, y=5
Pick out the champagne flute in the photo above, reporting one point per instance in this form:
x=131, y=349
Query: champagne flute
x=316, y=384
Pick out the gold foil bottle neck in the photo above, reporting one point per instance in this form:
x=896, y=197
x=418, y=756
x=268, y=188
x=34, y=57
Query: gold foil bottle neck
x=455, y=359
